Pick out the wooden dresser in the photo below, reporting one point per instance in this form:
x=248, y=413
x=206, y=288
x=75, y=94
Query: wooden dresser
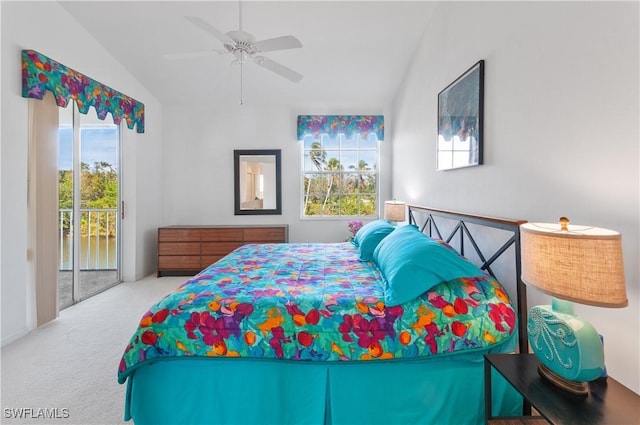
x=186, y=250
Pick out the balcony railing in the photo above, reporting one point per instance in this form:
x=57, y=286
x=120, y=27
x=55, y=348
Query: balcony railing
x=98, y=239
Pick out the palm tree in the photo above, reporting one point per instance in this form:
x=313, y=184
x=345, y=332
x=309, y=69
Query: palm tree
x=332, y=165
x=362, y=166
x=318, y=157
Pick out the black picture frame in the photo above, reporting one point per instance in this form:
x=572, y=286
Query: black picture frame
x=461, y=120
x=253, y=204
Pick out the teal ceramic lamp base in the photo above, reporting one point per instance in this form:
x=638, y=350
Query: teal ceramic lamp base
x=569, y=348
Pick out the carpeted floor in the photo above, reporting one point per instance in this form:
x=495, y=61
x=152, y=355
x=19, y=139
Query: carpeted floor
x=68, y=367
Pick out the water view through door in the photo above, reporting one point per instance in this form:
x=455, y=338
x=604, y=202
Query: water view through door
x=88, y=215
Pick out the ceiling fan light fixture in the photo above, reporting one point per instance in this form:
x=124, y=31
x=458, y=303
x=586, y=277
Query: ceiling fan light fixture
x=241, y=55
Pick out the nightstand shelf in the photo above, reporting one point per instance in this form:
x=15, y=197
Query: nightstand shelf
x=608, y=402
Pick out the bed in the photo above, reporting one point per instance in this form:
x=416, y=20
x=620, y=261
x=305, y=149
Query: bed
x=337, y=333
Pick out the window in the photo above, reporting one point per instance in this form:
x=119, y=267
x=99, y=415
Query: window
x=340, y=175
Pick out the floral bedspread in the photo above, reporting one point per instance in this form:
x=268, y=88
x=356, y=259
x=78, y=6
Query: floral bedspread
x=314, y=302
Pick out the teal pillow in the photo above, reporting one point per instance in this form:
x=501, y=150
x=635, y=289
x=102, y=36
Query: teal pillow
x=370, y=235
x=411, y=263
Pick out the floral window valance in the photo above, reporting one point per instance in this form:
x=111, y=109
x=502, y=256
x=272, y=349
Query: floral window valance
x=40, y=73
x=315, y=125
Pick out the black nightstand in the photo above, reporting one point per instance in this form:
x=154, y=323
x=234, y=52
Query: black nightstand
x=608, y=402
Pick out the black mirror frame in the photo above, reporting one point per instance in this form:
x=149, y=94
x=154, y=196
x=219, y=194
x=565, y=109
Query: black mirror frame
x=236, y=181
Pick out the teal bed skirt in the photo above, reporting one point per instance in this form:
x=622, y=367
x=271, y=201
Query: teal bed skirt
x=445, y=390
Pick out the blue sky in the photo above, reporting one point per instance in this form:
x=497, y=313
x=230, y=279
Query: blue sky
x=96, y=144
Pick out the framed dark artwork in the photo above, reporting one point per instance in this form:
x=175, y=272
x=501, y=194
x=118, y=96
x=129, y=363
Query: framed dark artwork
x=257, y=182
x=460, y=120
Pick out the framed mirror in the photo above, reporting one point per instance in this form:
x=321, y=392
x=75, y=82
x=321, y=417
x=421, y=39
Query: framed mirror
x=257, y=182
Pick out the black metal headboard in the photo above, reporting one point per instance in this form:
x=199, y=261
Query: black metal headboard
x=426, y=220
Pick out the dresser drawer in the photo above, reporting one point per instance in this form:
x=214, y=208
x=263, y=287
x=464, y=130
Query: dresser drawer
x=219, y=248
x=264, y=234
x=207, y=260
x=178, y=235
x=179, y=248
x=214, y=235
x=179, y=262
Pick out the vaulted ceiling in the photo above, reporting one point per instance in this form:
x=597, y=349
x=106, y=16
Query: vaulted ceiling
x=354, y=52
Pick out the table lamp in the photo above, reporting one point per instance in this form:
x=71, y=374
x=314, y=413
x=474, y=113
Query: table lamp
x=394, y=211
x=572, y=264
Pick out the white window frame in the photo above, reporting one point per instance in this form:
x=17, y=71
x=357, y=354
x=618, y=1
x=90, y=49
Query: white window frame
x=303, y=173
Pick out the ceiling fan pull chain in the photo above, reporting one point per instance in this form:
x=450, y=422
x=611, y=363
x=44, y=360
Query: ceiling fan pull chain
x=241, y=95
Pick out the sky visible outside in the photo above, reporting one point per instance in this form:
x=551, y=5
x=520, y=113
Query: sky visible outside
x=97, y=144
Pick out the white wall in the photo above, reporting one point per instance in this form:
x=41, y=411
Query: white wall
x=198, y=164
x=561, y=130
x=47, y=28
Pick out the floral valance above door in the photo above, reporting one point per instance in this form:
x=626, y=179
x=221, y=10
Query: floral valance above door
x=40, y=73
x=315, y=125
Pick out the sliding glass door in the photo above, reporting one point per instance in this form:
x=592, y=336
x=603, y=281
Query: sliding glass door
x=88, y=216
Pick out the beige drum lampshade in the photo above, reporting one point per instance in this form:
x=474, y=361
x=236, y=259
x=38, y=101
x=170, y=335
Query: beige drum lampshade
x=394, y=211
x=575, y=263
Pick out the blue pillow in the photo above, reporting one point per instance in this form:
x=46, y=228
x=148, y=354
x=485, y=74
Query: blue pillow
x=411, y=263
x=370, y=235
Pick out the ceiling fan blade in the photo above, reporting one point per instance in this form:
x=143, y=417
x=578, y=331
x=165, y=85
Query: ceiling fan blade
x=279, y=69
x=189, y=55
x=204, y=25
x=279, y=43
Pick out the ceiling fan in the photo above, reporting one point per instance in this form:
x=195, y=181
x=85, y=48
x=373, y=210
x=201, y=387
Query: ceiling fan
x=243, y=46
